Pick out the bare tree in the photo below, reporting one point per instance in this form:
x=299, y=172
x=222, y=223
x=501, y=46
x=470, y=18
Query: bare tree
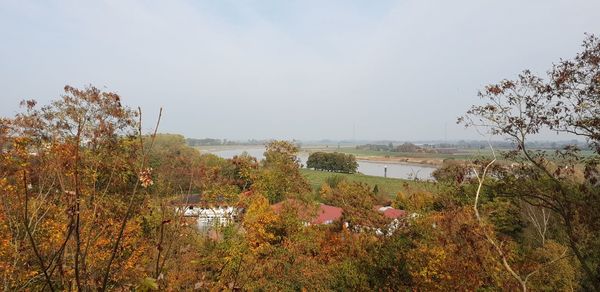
x=491, y=238
x=539, y=217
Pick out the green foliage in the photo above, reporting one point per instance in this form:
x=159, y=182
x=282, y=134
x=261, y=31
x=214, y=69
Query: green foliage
x=452, y=171
x=336, y=162
x=147, y=284
x=388, y=187
x=173, y=162
x=566, y=100
x=506, y=216
x=334, y=180
x=348, y=276
x=562, y=275
x=280, y=178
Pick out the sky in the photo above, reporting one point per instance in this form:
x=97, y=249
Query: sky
x=397, y=70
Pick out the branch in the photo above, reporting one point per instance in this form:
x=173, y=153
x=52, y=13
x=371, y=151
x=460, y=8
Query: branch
x=131, y=200
x=490, y=239
x=560, y=257
x=31, y=240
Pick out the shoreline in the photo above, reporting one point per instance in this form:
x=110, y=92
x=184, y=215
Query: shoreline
x=416, y=161
x=432, y=162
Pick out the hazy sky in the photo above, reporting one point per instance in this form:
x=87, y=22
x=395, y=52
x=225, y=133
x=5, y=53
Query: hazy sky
x=287, y=69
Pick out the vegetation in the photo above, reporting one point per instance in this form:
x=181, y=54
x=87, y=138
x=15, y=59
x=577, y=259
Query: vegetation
x=87, y=204
x=405, y=147
x=464, y=154
x=569, y=102
x=387, y=187
x=335, y=162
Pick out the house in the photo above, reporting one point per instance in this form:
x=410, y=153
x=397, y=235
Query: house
x=322, y=214
x=396, y=216
x=206, y=215
x=390, y=212
x=326, y=214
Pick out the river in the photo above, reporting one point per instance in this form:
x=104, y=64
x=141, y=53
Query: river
x=395, y=170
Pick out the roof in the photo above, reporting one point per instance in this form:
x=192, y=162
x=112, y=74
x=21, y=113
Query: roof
x=192, y=199
x=390, y=212
x=197, y=200
x=325, y=214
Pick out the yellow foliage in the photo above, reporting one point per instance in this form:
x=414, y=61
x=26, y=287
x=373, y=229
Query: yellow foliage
x=259, y=222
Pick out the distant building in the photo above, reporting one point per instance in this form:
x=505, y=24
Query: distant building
x=207, y=215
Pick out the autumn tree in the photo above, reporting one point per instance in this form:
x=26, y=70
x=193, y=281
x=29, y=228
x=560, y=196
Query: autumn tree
x=279, y=176
x=73, y=177
x=244, y=170
x=174, y=164
x=564, y=183
x=358, y=202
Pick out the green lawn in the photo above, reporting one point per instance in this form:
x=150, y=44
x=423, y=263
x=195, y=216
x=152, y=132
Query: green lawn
x=387, y=186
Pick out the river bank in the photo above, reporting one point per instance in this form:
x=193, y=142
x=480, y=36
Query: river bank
x=374, y=166
x=434, y=162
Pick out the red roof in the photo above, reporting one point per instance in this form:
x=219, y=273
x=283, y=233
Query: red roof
x=394, y=213
x=390, y=212
x=325, y=214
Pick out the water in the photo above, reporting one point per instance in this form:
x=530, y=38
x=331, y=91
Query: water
x=395, y=170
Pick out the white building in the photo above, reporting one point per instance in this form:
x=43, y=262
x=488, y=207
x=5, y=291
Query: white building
x=207, y=215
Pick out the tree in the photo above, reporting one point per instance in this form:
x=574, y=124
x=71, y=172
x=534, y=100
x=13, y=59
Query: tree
x=279, y=177
x=357, y=200
x=451, y=254
x=336, y=162
x=74, y=173
x=567, y=102
x=245, y=167
x=173, y=162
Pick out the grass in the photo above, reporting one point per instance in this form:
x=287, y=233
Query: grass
x=386, y=186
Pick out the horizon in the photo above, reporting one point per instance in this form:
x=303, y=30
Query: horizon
x=390, y=70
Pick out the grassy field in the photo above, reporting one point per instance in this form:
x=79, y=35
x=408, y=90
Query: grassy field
x=387, y=186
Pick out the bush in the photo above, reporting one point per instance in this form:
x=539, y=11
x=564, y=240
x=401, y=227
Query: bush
x=336, y=162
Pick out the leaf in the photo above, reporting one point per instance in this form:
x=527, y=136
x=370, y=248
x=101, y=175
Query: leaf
x=148, y=284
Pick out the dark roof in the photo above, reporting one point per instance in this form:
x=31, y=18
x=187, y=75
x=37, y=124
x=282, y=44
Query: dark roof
x=198, y=200
x=192, y=199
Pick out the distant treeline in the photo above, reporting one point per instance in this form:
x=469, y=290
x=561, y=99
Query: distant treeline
x=405, y=147
x=336, y=162
x=216, y=142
